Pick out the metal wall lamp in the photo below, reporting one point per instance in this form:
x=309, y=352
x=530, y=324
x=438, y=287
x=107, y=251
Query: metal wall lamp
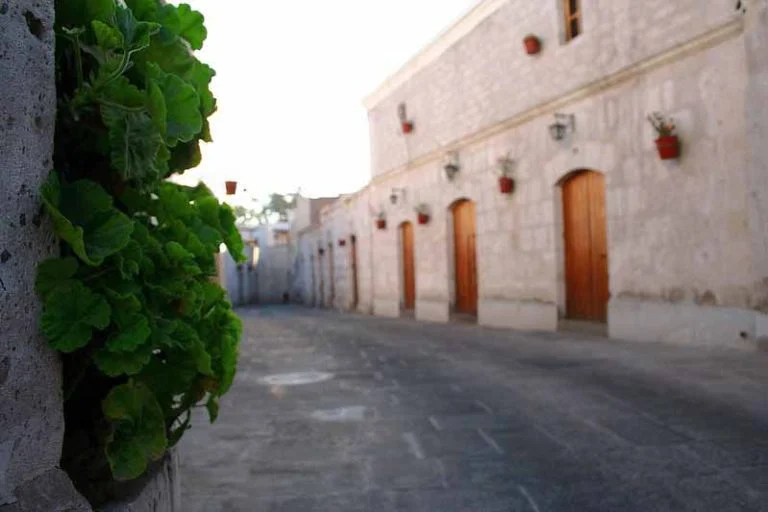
x=563, y=122
x=396, y=192
x=451, y=165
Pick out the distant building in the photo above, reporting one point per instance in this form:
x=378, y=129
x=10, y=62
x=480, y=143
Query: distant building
x=595, y=226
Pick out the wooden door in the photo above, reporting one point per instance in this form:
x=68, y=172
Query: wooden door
x=586, y=247
x=331, y=276
x=314, y=284
x=409, y=272
x=353, y=257
x=321, y=287
x=465, y=257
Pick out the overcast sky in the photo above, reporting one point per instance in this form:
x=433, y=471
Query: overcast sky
x=291, y=77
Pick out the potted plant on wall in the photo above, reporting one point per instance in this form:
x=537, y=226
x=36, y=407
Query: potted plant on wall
x=231, y=187
x=505, y=166
x=667, y=141
x=342, y=242
x=532, y=44
x=422, y=213
x=381, y=220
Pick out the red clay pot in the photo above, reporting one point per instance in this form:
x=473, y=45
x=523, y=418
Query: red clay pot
x=669, y=147
x=381, y=223
x=407, y=127
x=506, y=185
x=423, y=218
x=532, y=45
x=231, y=187
x=342, y=242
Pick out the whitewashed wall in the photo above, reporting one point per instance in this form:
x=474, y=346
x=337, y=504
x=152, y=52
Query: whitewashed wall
x=684, y=237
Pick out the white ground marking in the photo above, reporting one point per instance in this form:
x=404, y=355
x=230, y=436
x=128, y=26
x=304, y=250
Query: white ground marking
x=528, y=497
x=413, y=445
x=484, y=406
x=352, y=413
x=491, y=442
x=295, y=379
x=435, y=423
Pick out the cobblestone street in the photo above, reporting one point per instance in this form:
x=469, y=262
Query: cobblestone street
x=347, y=413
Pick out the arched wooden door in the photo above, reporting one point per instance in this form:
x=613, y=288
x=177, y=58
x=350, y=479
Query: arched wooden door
x=353, y=257
x=409, y=272
x=331, y=276
x=586, y=247
x=464, y=234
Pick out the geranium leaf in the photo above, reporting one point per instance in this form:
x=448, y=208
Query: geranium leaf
x=53, y=272
x=138, y=429
x=192, y=26
x=83, y=216
x=71, y=312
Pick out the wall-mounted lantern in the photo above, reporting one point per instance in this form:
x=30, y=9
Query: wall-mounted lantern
x=396, y=194
x=451, y=165
x=563, y=123
x=405, y=124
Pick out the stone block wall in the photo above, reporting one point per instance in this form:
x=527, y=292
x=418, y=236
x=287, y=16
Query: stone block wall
x=31, y=418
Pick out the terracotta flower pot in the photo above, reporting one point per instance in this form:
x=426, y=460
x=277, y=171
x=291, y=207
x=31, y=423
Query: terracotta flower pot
x=532, y=45
x=506, y=185
x=407, y=126
x=668, y=146
x=231, y=187
x=423, y=218
x=381, y=223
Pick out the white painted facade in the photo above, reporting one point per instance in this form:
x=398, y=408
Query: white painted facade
x=687, y=239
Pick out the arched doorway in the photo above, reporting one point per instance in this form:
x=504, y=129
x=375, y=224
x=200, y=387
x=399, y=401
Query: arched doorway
x=465, y=260
x=586, y=247
x=353, y=258
x=409, y=271
x=331, y=277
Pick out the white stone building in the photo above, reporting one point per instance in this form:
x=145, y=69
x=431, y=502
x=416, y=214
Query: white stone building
x=598, y=227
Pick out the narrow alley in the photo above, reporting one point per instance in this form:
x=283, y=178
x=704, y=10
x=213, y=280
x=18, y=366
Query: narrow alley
x=348, y=413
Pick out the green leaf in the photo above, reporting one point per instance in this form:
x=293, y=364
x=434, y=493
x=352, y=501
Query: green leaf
x=53, y=272
x=71, y=313
x=185, y=156
x=131, y=334
x=212, y=405
x=71, y=13
x=106, y=36
x=192, y=26
x=135, y=33
x=115, y=364
x=120, y=92
x=83, y=216
x=138, y=429
x=183, y=118
x=156, y=106
x=134, y=144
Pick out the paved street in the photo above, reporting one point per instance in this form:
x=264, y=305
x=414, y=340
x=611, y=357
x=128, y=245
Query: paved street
x=347, y=413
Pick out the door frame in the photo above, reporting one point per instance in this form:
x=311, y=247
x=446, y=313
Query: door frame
x=559, y=213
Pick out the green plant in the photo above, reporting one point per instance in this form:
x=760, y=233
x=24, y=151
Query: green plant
x=664, y=127
x=146, y=333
